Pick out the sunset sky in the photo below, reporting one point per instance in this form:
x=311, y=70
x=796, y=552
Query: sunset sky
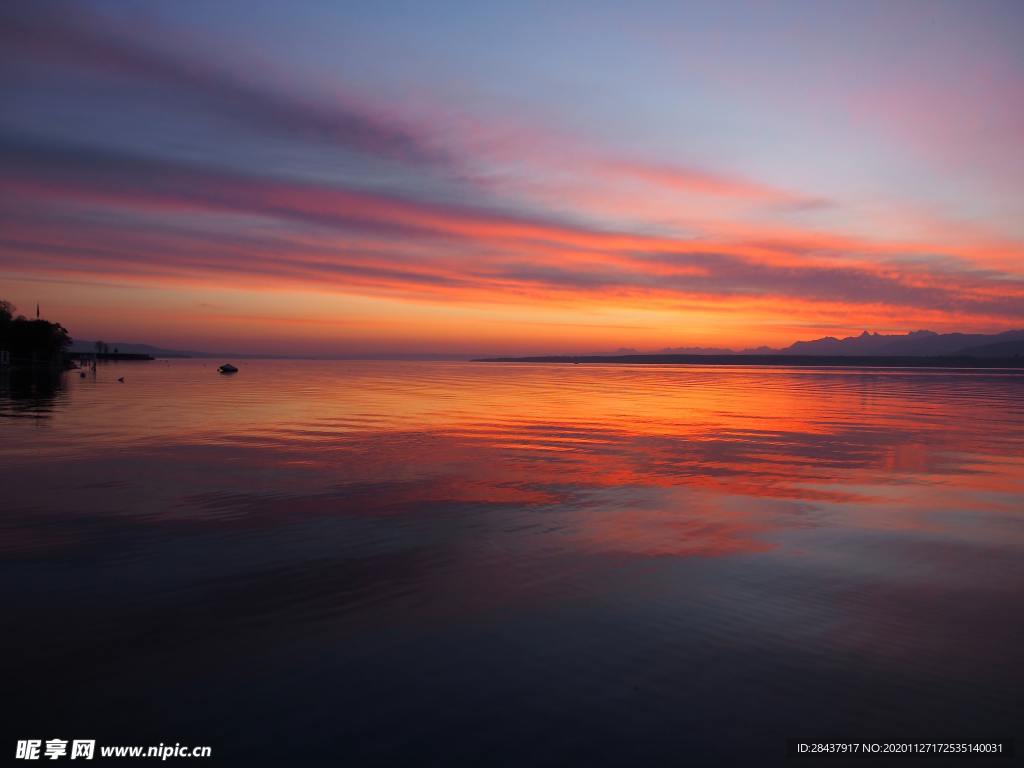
x=467, y=177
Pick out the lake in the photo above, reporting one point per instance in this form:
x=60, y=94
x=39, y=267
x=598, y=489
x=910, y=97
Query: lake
x=379, y=563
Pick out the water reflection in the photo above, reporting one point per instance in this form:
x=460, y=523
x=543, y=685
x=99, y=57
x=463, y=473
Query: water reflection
x=397, y=553
x=29, y=392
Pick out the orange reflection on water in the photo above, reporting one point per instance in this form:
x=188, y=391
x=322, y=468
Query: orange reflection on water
x=633, y=460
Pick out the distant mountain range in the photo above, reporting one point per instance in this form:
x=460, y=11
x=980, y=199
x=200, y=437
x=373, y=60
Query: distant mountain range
x=914, y=344
x=79, y=345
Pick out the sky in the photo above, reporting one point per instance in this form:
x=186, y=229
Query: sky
x=334, y=178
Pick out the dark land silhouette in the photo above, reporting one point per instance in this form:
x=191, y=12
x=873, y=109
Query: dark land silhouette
x=916, y=343
x=146, y=351
x=918, y=349
x=109, y=356
x=38, y=343
x=31, y=343
x=853, y=361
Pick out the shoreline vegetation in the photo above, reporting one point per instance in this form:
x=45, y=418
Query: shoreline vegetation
x=815, y=361
x=27, y=343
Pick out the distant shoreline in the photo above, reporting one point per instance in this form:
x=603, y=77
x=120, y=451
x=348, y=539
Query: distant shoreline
x=109, y=356
x=829, y=361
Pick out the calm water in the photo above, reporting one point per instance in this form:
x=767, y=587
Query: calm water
x=378, y=563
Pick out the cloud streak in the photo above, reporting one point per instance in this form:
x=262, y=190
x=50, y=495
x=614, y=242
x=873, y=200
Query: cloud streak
x=697, y=181
x=462, y=253
x=70, y=36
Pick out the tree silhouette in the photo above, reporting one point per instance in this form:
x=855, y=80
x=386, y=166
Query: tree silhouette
x=31, y=341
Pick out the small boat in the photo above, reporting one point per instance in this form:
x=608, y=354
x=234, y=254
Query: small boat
x=227, y=368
